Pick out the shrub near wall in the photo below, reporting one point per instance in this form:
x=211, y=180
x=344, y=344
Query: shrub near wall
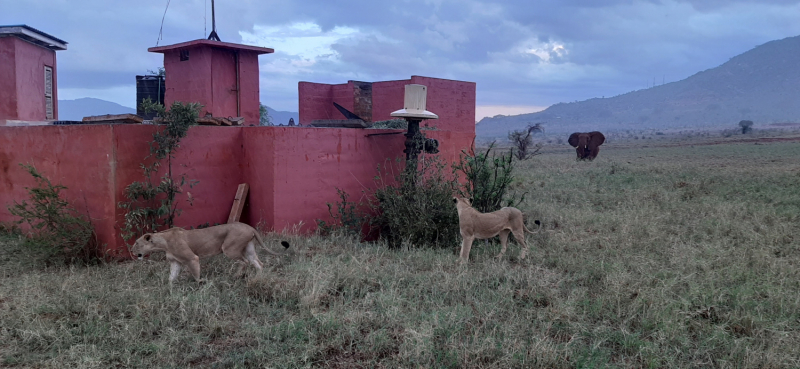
x=58, y=234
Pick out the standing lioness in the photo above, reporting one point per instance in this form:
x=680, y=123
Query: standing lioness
x=186, y=247
x=474, y=224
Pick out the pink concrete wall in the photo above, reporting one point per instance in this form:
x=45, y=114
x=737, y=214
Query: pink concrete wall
x=209, y=77
x=184, y=79
x=79, y=157
x=249, y=87
x=292, y=172
x=31, y=60
x=309, y=164
x=8, y=80
x=27, y=63
x=316, y=100
x=208, y=154
x=453, y=101
x=223, y=84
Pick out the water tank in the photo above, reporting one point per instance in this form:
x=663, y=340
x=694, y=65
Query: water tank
x=152, y=87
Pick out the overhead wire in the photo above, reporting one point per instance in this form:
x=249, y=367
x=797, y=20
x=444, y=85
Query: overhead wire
x=161, y=30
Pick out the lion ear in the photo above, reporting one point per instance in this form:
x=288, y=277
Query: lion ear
x=147, y=237
x=455, y=200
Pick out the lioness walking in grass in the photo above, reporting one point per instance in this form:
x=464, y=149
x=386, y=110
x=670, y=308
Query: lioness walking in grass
x=184, y=248
x=474, y=224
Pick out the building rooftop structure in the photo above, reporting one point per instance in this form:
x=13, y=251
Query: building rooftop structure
x=211, y=43
x=33, y=36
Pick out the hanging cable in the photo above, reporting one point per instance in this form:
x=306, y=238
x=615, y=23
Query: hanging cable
x=205, y=22
x=161, y=30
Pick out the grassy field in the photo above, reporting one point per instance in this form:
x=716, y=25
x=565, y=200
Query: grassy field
x=657, y=257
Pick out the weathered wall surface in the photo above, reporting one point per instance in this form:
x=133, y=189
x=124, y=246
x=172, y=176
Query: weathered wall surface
x=453, y=101
x=292, y=172
x=22, y=80
x=8, y=80
x=182, y=83
x=79, y=157
x=249, y=87
x=209, y=155
x=31, y=60
x=209, y=77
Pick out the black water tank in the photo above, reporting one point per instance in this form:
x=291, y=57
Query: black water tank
x=151, y=87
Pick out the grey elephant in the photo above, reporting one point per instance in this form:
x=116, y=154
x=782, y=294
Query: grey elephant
x=586, y=144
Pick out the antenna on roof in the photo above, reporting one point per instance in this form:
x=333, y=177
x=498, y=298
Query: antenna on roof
x=213, y=34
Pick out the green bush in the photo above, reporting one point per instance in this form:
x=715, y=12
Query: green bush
x=347, y=220
x=417, y=209
x=58, y=233
x=416, y=206
x=390, y=124
x=489, y=178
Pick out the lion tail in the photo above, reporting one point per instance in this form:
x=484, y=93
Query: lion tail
x=537, y=222
x=263, y=245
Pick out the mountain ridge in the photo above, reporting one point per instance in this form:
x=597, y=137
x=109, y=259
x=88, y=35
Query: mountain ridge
x=761, y=84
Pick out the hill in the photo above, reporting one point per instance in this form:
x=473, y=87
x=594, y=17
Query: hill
x=282, y=117
x=88, y=106
x=762, y=85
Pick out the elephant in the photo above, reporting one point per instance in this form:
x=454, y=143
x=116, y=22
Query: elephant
x=587, y=145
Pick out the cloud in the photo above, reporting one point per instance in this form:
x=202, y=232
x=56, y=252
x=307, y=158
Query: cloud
x=520, y=53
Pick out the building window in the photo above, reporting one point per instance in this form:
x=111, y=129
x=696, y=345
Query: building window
x=184, y=55
x=48, y=93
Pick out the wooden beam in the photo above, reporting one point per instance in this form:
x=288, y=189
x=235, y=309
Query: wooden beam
x=238, y=203
x=114, y=118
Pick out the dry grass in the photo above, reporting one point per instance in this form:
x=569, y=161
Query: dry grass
x=651, y=257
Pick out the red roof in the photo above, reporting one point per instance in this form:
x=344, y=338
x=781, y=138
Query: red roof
x=203, y=42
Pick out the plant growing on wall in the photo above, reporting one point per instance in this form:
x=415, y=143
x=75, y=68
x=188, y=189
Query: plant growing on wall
x=58, y=233
x=151, y=204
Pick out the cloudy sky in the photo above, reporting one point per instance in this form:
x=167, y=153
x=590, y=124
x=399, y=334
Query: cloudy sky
x=524, y=55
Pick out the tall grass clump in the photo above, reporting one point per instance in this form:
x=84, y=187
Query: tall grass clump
x=58, y=233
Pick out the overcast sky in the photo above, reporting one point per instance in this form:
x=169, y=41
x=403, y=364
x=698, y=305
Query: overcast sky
x=524, y=55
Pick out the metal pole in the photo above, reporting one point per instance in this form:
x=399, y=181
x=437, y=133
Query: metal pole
x=213, y=35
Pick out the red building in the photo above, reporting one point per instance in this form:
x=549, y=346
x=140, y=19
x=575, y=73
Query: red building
x=28, y=88
x=453, y=101
x=221, y=76
x=293, y=172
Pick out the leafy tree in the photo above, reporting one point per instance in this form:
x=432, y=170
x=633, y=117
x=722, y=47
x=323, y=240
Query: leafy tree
x=264, y=118
x=523, y=141
x=747, y=126
x=151, y=206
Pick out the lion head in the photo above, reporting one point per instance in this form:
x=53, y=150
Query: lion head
x=145, y=245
